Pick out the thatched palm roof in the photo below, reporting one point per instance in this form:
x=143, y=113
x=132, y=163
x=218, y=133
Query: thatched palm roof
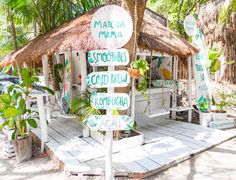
x=76, y=35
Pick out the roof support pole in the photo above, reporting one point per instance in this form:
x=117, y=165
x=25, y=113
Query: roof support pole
x=83, y=66
x=46, y=83
x=190, y=88
x=45, y=70
x=174, y=92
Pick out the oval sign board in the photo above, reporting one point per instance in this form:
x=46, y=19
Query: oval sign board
x=108, y=57
x=111, y=26
x=190, y=25
x=118, y=101
x=105, y=123
x=105, y=79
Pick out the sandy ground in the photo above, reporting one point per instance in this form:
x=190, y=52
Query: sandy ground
x=36, y=169
x=218, y=163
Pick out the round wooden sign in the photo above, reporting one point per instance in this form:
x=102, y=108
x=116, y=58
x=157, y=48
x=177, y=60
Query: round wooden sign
x=111, y=27
x=190, y=25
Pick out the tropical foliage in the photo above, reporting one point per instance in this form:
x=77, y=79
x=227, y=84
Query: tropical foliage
x=21, y=20
x=175, y=11
x=15, y=114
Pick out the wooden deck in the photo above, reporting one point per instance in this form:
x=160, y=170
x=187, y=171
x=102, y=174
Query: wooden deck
x=166, y=143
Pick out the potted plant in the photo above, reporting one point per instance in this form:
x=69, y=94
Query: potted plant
x=16, y=113
x=205, y=116
x=16, y=116
x=223, y=100
x=137, y=70
x=82, y=108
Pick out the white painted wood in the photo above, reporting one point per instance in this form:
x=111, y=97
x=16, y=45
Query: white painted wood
x=157, y=113
x=105, y=101
x=109, y=139
x=45, y=70
x=111, y=57
x=181, y=108
x=83, y=71
x=121, y=144
x=190, y=89
x=167, y=143
x=43, y=123
x=174, y=94
x=104, y=79
x=133, y=98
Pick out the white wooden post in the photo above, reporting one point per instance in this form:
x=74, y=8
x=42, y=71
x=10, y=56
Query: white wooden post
x=133, y=98
x=83, y=66
x=46, y=81
x=45, y=70
x=174, y=93
x=43, y=123
x=190, y=89
x=109, y=140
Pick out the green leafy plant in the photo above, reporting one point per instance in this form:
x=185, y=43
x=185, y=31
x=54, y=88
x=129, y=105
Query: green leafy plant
x=82, y=108
x=28, y=81
x=214, y=63
x=224, y=99
x=13, y=110
x=143, y=67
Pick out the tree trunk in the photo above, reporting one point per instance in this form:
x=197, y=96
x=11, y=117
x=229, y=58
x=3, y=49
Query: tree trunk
x=131, y=46
x=14, y=37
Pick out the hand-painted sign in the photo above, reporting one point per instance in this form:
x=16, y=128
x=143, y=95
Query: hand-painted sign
x=190, y=25
x=109, y=122
x=108, y=57
x=111, y=26
x=119, y=101
x=203, y=84
x=164, y=83
x=67, y=78
x=108, y=79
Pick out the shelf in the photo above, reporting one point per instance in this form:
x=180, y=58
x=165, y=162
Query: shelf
x=181, y=108
x=156, y=113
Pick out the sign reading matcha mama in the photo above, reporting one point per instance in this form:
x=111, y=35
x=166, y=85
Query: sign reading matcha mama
x=108, y=57
x=119, y=101
x=109, y=122
x=108, y=79
x=111, y=27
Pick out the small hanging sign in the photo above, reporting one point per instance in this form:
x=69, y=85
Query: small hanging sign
x=109, y=122
x=190, y=25
x=104, y=79
x=111, y=27
x=117, y=57
x=118, y=101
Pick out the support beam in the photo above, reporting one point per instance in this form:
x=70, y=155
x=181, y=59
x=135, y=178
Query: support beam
x=83, y=66
x=174, y=94
x=190, y=88
x=45, y=70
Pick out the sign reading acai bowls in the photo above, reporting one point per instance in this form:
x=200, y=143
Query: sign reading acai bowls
x=111, y=27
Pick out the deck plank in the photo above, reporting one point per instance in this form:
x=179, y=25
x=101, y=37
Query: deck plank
x=167, y=142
